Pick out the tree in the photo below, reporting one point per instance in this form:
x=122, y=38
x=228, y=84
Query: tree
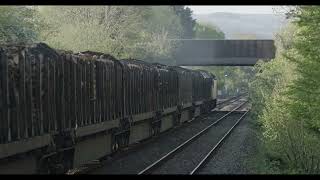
x=206, y=31
x=141, y=32
x=18, y=24
x=306, y=89
x=108, y=29
x=187, y=22
x=160, y=27
x=286, y=96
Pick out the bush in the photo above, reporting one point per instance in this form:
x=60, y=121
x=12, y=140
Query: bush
x=286, y=99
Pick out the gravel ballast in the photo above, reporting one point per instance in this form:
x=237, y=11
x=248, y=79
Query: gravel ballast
x=234, y=154
x=186, y=160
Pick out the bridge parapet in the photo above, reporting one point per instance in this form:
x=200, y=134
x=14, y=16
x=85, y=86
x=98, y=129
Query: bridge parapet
x=224, y=52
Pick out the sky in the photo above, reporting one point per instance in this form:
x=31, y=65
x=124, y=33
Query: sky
x=232, y=9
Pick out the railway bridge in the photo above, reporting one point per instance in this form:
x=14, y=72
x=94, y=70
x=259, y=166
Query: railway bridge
x=195, y=52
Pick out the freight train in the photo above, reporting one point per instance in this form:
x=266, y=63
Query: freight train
x=60, y=110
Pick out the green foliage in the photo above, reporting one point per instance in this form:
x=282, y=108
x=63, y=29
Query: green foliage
x=286, y=95
x=206, y=31
x=306, y=92
x=18, y=24
x=80, y=28
x=160, y=25
x=186, y=20
x=142, y=32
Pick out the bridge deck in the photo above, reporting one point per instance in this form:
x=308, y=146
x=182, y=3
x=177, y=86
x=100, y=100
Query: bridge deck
x=224, y=52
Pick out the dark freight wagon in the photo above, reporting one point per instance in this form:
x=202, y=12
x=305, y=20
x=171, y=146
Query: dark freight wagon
x=59, y=110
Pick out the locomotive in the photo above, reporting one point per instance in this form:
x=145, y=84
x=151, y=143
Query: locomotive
x=60, y=110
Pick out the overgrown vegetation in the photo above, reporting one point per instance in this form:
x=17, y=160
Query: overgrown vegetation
x=18, y=24
x=142, y=32
x=286, y=98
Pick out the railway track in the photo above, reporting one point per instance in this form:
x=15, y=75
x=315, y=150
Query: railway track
x=215, y=148
x=152, y=168
x=231, y=99
x=87, y=168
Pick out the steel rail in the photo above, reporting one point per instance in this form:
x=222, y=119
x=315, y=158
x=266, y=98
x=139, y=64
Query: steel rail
x=206, y=158
x=157, y=163
x=233, y=98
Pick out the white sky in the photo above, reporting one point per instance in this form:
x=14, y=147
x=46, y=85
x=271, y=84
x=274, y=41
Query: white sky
x=232, y=9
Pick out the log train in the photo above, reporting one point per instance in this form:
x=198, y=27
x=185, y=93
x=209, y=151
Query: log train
x=60, y=110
